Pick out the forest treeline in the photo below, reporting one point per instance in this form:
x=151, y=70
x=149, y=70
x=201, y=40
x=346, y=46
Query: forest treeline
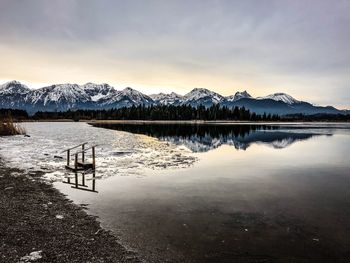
x=168, y=113
x=14, y=113
x=160, y=113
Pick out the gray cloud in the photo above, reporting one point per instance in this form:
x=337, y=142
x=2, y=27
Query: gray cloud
x=298, y=46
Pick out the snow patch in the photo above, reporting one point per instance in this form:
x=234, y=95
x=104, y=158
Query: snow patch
x=280, y=97
x=33, y=256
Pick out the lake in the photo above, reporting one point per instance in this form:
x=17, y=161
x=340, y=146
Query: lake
x=209, y=192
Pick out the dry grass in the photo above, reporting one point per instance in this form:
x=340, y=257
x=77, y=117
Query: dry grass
x=9, y=127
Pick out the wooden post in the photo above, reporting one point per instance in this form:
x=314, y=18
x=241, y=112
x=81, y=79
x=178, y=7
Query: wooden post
x=93, y=158
x=68, y=157
x=82, y=153
x=93, y=182
x=76, y=162
x=76, y=180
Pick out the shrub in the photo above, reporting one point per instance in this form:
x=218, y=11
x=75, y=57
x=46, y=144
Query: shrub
x=9, y=127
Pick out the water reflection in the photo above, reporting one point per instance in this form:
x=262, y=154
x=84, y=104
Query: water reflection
x=80, y=182
x=202, y=138
x=259, y=205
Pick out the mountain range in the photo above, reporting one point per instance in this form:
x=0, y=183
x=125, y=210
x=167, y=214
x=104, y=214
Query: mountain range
x=62, y=97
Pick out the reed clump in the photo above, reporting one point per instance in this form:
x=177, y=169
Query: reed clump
x=9, y=127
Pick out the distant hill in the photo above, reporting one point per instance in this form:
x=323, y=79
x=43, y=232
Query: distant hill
x=62, y=97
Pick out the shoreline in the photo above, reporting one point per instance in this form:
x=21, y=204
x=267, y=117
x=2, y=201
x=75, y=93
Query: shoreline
x=96, y=123
x=39, y=221
x=209, y=122
x=189, y=121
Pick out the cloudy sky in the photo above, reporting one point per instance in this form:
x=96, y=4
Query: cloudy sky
x=300, y=47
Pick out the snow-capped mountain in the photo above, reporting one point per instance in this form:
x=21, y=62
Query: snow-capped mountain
x=238, y=95
x=280, y=97
x=136, y=97
x=13, y=87
x=12, y=94
x=167, y=99
x=205, y=97
x=62, y=97
x=124, y=98
x=62, y=93
x=97, y=92
x=59, y=97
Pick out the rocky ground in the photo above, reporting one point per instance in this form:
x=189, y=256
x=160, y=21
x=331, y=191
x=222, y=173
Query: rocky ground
x=39, y=224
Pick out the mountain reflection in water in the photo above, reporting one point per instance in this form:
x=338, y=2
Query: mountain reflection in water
x=205, y=137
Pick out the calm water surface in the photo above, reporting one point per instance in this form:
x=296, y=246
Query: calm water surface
x=254, y=194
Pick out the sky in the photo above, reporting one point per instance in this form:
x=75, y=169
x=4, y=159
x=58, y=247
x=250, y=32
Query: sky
x=300, y=47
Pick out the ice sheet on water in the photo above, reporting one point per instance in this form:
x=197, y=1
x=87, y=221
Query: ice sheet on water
x=118, y=153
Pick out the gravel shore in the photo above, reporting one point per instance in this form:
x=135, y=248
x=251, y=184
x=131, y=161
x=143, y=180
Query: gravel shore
x=39, y=224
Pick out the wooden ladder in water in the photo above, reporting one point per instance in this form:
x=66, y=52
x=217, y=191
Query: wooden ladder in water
x=81, y=165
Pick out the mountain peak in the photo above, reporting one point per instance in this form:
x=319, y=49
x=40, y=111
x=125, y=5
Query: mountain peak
x=128, y=89
x=201, y=96
x=202, y=92
x=13, y=82
x=135, y=96
x=243, y=94
x=199, y=89
x=280, y=96
x=14, y=86
x=167, y=99
x=238, y=95
x=174, y=94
